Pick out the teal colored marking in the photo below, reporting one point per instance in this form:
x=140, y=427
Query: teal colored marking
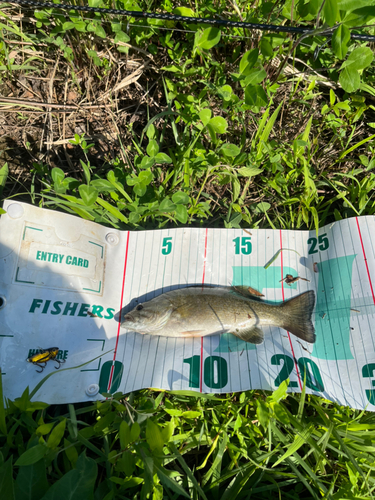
x=101, y=246
x=6, y=335
x=259, y=278
x=29, y=227
x=97, y=340
x=367, y=372
x=333, y=303
x=20, y=281
x=91, y=290
x=93, y=369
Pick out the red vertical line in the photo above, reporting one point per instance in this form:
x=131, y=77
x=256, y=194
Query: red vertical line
x=204, y=273
x=119, y=319
x=282, y=290
x=364, y=256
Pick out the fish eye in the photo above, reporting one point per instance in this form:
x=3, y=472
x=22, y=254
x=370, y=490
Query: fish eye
x=139, y=307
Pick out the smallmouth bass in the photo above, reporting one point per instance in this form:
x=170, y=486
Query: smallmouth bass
x=197, y=312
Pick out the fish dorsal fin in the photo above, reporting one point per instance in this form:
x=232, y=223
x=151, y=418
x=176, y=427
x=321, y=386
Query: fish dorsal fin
x=253, y=335
x=247, y=291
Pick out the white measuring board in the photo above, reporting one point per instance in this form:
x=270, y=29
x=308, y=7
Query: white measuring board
x=65, y=282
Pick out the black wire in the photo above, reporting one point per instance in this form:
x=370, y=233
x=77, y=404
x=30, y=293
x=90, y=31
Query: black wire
x=185, y=19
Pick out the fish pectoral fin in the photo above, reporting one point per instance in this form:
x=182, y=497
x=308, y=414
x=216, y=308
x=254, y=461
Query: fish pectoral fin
x=192, y=333
x=253, y=335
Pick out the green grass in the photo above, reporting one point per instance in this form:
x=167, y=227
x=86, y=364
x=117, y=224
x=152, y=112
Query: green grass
x=218, y=128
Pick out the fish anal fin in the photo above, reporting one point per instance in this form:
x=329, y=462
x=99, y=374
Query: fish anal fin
x=253, y=335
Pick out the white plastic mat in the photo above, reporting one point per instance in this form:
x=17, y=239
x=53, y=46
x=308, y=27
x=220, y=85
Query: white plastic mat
x=64, y=281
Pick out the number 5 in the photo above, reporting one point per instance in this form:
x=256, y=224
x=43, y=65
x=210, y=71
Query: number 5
x=323, y=242
x=167, y=246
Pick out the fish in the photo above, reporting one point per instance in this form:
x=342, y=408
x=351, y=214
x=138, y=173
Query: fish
x=200, y=311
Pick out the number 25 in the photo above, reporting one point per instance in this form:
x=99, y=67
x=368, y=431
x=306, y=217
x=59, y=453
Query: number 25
x=323, y=243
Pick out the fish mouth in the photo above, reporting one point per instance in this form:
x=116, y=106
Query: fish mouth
x=128, y=318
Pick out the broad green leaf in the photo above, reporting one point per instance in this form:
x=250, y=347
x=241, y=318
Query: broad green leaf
x=6, y=480
x=140, y=189
x=57, y=175
x=330, y=12
x=191, y=414
x=56, y=435
x=360, y=58
x=135, y=431
x=349, y=5
x=77, y=484
x=162, y=158
x=183, y=11
x=88, y=194
x=209, y=38
x=350, y=79
x=126, y=463
x=280, y=392
x=71, y=452
x=153, y=436
x=32, y=455
x=68, y=26
x=44, y=429
x=205, y=115
x=251, y=95
x=152, y=148
x=230, y=150
x=4, y=172
x=134, y=218
x=249, y=171
x=219, y=124
x=80, y=26
x=167, y=206
x=167, y=432
x=124, y=434
x=116, y=27
x=359, y=16
x=121, y=37
x=102, y=185
x=180, y=198
x=266, y=48
x=340, y=39
x=248, y=61
x=225, y=93
x=256, y=75
x=263, y=413
x=31, y=482
x=147, y=162
x=145, y=176
x=99, y=31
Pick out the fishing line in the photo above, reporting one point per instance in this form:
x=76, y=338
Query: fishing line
x=186, y=19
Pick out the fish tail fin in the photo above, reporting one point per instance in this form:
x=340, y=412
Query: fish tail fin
x=297, y=313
